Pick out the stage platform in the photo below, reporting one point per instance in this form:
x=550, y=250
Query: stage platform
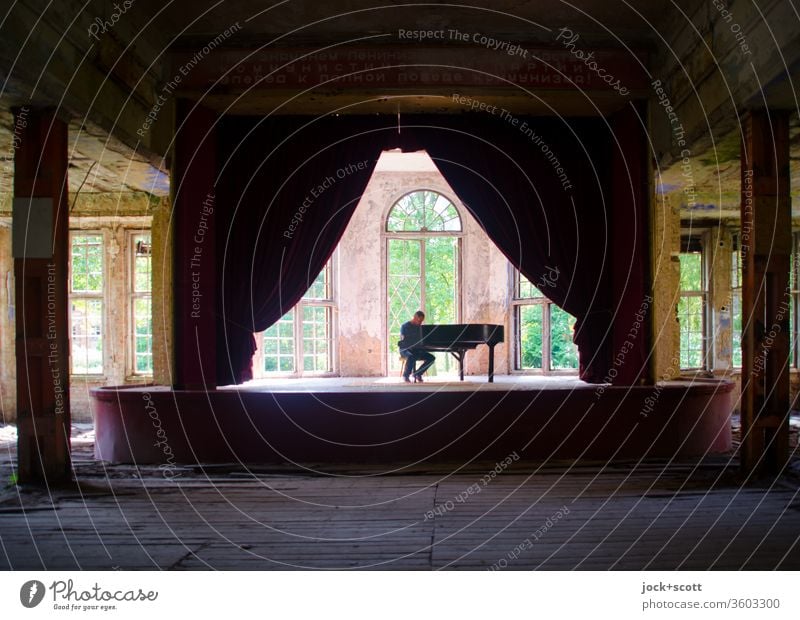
x=372, y=420
x=450, y=383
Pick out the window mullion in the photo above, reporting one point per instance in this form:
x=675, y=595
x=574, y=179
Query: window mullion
x=297, y=325
x=547, y=365
x=422, y=282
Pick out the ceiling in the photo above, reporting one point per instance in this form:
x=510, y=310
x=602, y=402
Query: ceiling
x=298, y=22
x=161, y=31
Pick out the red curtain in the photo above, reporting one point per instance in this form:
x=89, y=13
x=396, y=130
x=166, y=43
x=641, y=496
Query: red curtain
x=537, y=188
x=288, y=187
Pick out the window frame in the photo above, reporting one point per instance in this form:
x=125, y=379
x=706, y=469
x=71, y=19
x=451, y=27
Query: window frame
x=688, y=240
x=794, y=292
x=101, y=296
x=424, y=231
x=735, y=293
x=419, y=235
x=132, y=295
x=331, y=304
x=515, y=350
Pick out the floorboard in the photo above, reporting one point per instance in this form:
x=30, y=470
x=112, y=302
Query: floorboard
x=626, y=516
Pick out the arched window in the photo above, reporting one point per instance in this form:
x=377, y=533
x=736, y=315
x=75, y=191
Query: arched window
x=423, y=211
x=423, y=240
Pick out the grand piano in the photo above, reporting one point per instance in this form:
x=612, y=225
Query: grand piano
x=459, y=338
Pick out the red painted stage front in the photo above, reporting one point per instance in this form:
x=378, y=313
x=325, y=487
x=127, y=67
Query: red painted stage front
x=157, y=424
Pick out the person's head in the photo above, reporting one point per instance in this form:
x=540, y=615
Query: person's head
x=419, y=316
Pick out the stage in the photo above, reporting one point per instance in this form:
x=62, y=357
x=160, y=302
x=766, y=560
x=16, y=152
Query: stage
x=382, y=420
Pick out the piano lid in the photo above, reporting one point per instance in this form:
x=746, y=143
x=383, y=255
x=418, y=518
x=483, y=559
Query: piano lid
x=465, y=333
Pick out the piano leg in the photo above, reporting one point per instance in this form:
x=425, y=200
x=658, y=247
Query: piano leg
x=459, y=355
x=491, y=363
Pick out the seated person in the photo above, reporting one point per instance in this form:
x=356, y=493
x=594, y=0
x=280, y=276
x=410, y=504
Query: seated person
x=410, y=336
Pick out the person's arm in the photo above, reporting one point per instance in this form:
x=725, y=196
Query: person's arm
x=403, y=336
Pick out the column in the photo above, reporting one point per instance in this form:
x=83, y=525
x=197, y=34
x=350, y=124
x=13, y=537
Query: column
x=766, y=240
x=40, y=236
x=194, y=267
x=631, y=278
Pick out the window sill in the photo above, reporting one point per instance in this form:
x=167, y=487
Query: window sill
x=88, y=378
x=292, y=375
x=136, y=379
x=545, y=373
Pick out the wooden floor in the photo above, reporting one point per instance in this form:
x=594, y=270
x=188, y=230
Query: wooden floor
x=654, y=515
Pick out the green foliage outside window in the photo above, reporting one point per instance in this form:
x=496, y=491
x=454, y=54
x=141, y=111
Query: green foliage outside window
x=422, y=269
x=691, y=309
x=535, y=316
x=563, y=352
x=531, y=330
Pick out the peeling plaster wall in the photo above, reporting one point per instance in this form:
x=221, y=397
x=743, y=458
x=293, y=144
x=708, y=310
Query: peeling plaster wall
x=162, y=239
x=362, y=278
x=665, y=244
x=8, y=362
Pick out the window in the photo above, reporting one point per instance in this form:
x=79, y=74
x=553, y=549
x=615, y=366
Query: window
x=692, y=305
x=301, y=342
x=423, y=211
x=542, y=331
x=141, y=284
x=423, y=231
x=86, y=303
x=736, y=303
x=279, y=345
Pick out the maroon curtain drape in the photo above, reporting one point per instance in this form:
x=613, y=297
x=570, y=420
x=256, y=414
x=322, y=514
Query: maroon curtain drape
x=537, y=188
x=548, y=217
x=287, y=188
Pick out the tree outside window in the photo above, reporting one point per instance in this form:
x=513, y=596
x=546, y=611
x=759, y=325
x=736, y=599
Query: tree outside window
x=141, y=303
x=423, y=242
x=542, y=331
x=692, y=306
x=86, y=303
x=736, y=303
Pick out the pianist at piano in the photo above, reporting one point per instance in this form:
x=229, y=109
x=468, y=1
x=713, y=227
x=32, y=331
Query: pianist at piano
x=411, y=351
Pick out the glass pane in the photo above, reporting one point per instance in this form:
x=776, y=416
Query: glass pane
x=142, y=268
x=320, y=288
x=529, y=324
x=143, y=335
x=691, y=271
x=87, y=264
x=423, y=211
x=736, y=329
x=526, y=289
x=441, y=286
x=278, y=345
x=405, y=289
x=317, y=342
x=563, y=352
x=86, y=325
x=690, y=317
x=792, y=332
x=736, y=266
x=795, y=269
